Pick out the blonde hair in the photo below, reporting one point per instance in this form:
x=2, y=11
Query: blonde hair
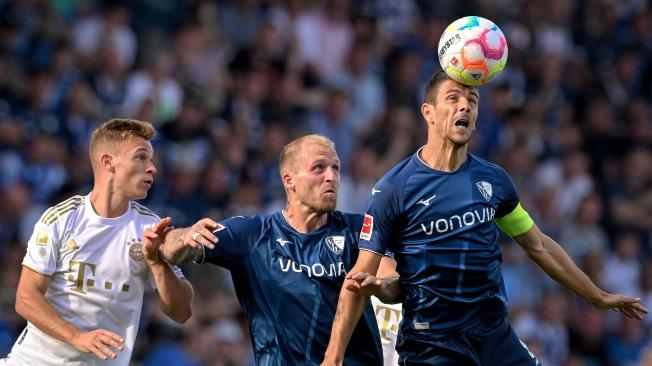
x=117, y=130
x=288, y=159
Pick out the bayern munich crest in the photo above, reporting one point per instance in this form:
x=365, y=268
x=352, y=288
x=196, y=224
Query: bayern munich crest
x=136, y=250
x=485, y=189
x=335, y=243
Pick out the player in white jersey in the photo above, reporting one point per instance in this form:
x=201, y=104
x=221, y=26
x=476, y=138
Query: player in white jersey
x=388, y=317
x=85, y=271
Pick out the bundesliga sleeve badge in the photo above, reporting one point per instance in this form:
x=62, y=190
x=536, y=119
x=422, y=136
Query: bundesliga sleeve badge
x=367, y=227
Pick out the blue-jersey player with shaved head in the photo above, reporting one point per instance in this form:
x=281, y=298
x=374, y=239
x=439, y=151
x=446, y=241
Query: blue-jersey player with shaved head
x=288, y=267
x=439, y=212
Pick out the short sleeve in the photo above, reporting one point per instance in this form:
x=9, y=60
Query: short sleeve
x=237, y=237
x=383, y=209
x=43, y=248
x=509, y=197
x=355, y=224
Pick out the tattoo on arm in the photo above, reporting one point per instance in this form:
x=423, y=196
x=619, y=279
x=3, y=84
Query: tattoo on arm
x=175, y=251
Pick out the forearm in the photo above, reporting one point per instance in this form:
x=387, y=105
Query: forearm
x=174, y=251
x=390, y=291
x=175, y=295
x=349, y=310
x=36, y=309
x=560, y=267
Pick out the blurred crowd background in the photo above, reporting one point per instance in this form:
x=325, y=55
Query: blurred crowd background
x=228, y=83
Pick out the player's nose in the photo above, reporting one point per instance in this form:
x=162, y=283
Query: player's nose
x=463, y=104
x=331, y=174
x=151, y=169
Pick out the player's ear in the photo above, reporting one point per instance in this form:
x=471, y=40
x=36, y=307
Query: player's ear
x=428, y=111
x=288, y=182
x=106, y=161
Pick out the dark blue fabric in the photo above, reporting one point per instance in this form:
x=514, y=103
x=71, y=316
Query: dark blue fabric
x=491, y=342
x=288, y=284
x=441, y=230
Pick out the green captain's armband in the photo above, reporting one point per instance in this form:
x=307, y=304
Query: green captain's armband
x=516, y=222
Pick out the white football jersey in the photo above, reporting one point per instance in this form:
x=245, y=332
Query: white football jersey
x=388, y=317
x=99, y=276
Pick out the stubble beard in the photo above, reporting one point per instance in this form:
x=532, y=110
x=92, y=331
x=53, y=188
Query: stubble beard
x=325, y=205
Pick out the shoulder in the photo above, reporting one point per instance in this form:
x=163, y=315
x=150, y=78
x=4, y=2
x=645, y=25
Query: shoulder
x=61, y=211
x=396, y=177
x=352, y=220
x=482, y=163
x=250, y=223
x=489, y=166
x=479, y=162
x=143, y=212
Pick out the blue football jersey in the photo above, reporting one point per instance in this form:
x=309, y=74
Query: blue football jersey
x=288, y=284
x=440, y=228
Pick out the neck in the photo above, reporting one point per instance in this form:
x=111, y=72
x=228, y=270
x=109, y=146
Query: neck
x=443, y=155
x=303, y=219
x=108, y=203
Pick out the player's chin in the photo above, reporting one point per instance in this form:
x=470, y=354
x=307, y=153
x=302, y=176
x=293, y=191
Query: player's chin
x=141, y=194
x=461, y=139
x=328, y=203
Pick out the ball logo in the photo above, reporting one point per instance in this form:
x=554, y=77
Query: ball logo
x=454, y=61
x=367, y=227
x=456, y=38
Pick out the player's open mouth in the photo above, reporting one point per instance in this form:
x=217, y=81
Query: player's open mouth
x=149, y=181
x=462, y=122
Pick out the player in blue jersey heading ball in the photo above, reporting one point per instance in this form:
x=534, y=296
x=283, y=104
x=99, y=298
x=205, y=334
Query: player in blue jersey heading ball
x=288, y=267
x=439, y=212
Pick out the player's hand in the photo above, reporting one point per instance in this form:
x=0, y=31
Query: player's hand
x=101, y=342
x=363, y=283
x=153, y=238
x=630, y=306
x=201, y=234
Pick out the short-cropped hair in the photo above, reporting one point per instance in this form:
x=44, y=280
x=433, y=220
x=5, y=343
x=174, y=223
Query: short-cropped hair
x=116, y=130
x=288, y=158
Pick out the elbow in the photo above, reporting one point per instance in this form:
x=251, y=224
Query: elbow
x=22, y=304
x=181, y=316
x=180, y=313
x=536, y=252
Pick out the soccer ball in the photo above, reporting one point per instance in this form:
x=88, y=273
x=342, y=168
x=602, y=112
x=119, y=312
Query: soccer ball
x=472, y=50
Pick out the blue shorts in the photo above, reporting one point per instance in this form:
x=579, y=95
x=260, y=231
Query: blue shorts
x=491, y=343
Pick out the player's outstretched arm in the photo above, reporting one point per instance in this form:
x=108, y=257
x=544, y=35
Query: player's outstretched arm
x=349, y=308
x=184, y=245
x=174, y=294
x=548, y=255
x=384, y=285
x=32, y=305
